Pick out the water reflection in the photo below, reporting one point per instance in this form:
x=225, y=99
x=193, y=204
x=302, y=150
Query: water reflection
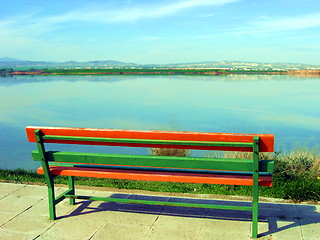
x=283, y=105
x=13, y=79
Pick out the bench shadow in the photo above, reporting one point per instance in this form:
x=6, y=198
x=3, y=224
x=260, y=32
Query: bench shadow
x=290, y=215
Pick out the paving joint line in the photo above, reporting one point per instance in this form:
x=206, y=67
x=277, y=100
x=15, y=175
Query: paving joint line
x=54, y=222
x=21, y=212
x=161, y=213
x=104, y=224
x=202, y=223
x=25, y=185
x=300, y=227
x=150, y=228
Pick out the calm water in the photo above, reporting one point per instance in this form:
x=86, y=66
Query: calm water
x=282, y=105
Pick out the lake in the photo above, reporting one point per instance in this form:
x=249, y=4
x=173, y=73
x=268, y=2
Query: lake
x=286, y=106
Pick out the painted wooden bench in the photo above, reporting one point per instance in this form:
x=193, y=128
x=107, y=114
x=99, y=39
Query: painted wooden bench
x=253, y=172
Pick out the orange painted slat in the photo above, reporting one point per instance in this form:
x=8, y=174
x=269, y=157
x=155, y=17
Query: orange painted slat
x=159, y=176
x=266, y=140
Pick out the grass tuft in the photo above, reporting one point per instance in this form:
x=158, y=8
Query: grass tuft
x=300, y=164
x=170, y=152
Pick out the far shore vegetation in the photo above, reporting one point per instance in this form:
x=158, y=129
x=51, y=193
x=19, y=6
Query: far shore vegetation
x=296, y=178
x=152, y=71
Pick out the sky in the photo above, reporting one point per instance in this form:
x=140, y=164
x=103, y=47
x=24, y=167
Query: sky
x=161, y=31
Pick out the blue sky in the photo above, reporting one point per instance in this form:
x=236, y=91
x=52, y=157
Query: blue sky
x=162, y=31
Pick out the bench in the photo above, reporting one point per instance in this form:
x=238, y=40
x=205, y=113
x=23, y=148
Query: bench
x=252, y=171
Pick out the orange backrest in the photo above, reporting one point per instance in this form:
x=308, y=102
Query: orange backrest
x=266, y=143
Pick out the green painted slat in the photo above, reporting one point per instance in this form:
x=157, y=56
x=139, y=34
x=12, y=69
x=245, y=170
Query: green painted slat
x=266, y=166
x=245, y=165
x=149, y=141
x=162, y=203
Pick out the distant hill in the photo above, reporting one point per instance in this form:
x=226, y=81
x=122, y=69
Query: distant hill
x=7, y=59
x=11, y=62
x=8, y=62
x=244, y=65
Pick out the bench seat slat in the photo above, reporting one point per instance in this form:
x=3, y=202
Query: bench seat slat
x=158, y=176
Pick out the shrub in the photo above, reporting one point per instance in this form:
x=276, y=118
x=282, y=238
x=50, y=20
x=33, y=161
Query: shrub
x=170, y=152
x=305, y=164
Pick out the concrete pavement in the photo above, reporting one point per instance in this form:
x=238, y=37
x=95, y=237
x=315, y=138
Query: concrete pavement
x=24, y=215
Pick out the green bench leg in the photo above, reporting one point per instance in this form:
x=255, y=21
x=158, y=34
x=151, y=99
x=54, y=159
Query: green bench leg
x=51, y=198
x=71, y=188
x=255, y=206
x=48, y=177
x=255, y=197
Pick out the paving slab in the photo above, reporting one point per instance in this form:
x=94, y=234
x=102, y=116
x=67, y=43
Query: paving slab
x=6, y=189
x=72, y=228
x=310, y=228
x=222, y=229
x=18, y=202
x=120, y=232
x=289, y=227
x=15, y=235
x=32, y=225
x=175, y=228
x=24, y=215
x=6, y=216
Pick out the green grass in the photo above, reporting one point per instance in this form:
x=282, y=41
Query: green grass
x=296, y=178
x=133, y=71
x=120, y=71
x=156, y=71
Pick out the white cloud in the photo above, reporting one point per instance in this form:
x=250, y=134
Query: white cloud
x=282, y=24
x=293, y=23
x=33, y=25
x=130, y=14
x=30, y=31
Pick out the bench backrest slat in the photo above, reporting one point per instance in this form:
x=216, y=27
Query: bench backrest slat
x=156, y=161
x=153, y=139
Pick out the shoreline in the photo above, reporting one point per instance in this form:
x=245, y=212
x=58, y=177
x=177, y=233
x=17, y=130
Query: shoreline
x=212, y=72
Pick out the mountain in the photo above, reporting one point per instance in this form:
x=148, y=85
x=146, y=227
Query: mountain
x=8, y=59
x=11, y=62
